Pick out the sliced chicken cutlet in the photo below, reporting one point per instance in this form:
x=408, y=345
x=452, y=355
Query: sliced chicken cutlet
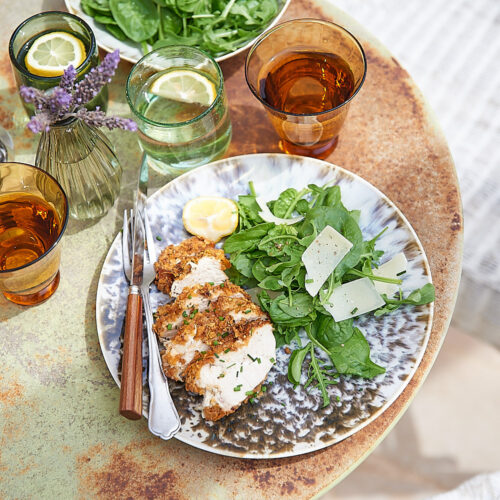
x=192, y=262
x=230, y=375
x=170, y=317
x=217, y=326
x=195, y=337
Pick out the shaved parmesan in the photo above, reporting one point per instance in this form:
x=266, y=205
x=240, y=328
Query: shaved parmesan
x=353, y=299
x=390, y=269
x=268, y=216
x=322, y=256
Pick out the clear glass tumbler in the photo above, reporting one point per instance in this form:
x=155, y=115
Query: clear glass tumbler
x=177, y=94
x=306, y=72
x=46, y=22
x=33, y=217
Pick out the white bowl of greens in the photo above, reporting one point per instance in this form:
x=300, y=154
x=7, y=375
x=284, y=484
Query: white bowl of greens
x=223, y=28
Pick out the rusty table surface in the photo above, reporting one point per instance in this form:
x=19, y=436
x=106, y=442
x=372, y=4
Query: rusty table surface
x=61, y=434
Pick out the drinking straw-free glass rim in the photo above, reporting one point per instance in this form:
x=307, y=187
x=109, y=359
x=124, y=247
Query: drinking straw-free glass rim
x=55, y=79
x=63, y=225
x=220, y=87
x=266, y=34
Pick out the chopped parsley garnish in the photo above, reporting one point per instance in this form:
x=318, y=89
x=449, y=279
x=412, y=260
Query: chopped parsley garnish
x=190, y=296
x=272, y=360
x=338, y=398
x=215, y=342
x=263, y=388
x=185, y=314
x=237, y=388
x=186, y=322
x=253, y=400
x=169, y=326
x=249, y=393
x=247, y=311
x=211, y=283
x=225, y=334
x=221, y=318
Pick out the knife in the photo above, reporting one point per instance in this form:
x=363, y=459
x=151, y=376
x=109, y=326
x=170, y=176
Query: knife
x=131, y=382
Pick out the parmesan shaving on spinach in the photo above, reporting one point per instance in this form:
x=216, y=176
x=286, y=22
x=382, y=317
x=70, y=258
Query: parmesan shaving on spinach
x=269, y=256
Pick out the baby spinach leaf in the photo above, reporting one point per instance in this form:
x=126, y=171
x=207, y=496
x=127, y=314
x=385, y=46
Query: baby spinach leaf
x=247, y=239
x=353, y=357
x=301, y=306
x=138, y=19
x=116, y=32
x=295, y=364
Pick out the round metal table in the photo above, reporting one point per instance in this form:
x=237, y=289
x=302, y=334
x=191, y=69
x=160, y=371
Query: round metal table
x=61, y=434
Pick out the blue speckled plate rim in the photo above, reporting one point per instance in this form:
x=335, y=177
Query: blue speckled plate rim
x=387, y=404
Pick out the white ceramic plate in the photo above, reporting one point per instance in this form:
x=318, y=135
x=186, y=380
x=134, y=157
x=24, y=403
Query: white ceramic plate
x=285, y=421
x=132, y=52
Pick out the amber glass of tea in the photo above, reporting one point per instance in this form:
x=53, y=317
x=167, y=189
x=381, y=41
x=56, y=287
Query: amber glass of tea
x=33, y=217
x=306, y=72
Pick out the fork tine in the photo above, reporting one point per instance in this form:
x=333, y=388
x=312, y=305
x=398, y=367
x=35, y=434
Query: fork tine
x=150, y=240
x=125, y=245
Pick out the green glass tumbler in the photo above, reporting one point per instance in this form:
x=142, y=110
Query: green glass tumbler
x=46, y=22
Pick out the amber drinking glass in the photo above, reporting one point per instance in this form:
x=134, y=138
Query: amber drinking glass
x=33, y=217
x=306, y=72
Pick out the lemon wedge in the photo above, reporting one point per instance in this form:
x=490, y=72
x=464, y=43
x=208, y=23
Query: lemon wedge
x=185, y=86
x=53, y=52
x=210, y=217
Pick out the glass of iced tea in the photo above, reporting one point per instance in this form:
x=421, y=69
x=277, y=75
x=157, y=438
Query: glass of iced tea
x=43, y=45
x=306, y=72
x=177, y=94
x=33, y=217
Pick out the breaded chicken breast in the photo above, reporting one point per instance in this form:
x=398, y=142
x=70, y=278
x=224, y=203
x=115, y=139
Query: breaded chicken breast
x=196, y=298
x=192, y=262
x=228, y=376
x=215, y=338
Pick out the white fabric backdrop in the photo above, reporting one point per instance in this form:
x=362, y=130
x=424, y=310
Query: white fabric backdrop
x=452, y=51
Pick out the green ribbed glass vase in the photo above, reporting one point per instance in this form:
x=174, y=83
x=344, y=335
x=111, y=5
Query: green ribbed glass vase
x=82, y=159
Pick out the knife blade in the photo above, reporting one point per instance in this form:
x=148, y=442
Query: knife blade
x=131, y=382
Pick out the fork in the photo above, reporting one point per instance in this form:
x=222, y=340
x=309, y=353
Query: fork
x=163, y=420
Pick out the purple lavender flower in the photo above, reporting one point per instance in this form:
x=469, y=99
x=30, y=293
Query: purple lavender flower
x=67, y=99
x=68, y=79
x=40, y=123
x=99, y=119
x=37, y=97
x=59, y=102
x=88, y=88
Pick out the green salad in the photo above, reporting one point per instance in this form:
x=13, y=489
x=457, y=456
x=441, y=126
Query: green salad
x=216, y=26
x=269, y=255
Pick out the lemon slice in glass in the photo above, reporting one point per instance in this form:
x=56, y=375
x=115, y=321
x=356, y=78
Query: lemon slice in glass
x=185, y=86
x=210, y=217
x=53, y=52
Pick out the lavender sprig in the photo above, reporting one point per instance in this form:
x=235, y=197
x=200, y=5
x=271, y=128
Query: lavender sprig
x=68, y=99
x=92, y=84
x=98, y=118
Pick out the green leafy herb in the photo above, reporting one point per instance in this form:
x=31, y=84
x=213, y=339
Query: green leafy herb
x=216, y=26
x=270, y=256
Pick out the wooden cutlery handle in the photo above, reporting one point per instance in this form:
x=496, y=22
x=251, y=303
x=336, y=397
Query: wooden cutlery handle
x=131, y=383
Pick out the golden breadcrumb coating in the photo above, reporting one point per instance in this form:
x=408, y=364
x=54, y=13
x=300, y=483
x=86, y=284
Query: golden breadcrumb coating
x=175, y=261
